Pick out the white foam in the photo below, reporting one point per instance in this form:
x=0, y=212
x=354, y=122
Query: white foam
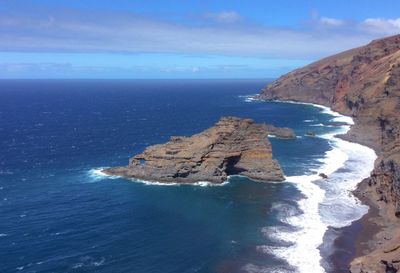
x=200, y=183
x=98, y=174
x=210, y=184
x=249, y=98
x=327, y=202
x=252, y=268
x=326, y=110
x=340, y=207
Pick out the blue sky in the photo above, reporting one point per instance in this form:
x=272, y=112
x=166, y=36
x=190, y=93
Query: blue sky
x=182, y=39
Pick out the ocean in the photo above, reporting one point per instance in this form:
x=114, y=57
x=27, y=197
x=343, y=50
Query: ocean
x=58, y=213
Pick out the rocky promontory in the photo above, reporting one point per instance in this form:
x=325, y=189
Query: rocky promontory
x=233, y=146
x=363, y=83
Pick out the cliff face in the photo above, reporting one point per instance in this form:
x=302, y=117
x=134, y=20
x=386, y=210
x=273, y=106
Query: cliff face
x=232, y=146
x=365, y=84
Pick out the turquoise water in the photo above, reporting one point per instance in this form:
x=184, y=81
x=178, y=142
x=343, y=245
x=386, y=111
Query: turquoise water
x=59, y=215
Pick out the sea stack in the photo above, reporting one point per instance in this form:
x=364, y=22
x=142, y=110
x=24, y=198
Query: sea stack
x=233, y=146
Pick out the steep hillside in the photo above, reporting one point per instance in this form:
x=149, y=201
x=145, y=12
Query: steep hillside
x=364, y=83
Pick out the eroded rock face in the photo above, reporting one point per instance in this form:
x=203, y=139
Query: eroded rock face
x=233, y=146
x=364, y=83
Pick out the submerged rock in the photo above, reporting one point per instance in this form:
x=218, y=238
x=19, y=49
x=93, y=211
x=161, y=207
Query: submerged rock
x=234, y=146
x=322, y=175
x=310, y=133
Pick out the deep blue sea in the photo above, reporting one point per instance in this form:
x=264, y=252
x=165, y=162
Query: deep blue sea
x=57, y=214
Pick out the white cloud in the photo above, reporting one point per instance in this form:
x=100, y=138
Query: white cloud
x=190, y=69
x=331, y=21
x=224, y=16
x=79, y=31
x=381, y=25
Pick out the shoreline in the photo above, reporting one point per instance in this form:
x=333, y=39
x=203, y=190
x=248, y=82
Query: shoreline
x=335, y=138
x=363, y=83
x=344, y=232
x=341, y=254
x=376, y=247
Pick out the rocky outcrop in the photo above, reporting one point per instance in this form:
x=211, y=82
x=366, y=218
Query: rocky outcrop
x=280, y=132
x=233, y=146
x=365, y=84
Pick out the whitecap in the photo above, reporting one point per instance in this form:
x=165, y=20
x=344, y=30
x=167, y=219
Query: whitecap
x=77, y=265
x=281, y=235
x=250, y=98
x=99, y=263
x=210, y=184
x=97, y=174
x=200, y=183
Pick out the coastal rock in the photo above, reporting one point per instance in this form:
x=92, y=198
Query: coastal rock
x=322, y=175
x=234, y=146
x=363, y=83
x=281, y=132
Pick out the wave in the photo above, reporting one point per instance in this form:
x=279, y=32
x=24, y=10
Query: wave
x=200, y=183
x=249, y=98
x=252, y=268
x=326, y=110
x=326, y=203
x=97, y=174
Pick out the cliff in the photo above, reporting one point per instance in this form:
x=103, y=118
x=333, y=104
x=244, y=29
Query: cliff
x=233, y=146
x=363, y=83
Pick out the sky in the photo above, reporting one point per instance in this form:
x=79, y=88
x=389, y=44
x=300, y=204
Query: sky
x=174, y=39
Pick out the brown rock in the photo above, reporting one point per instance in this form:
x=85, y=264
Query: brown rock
x=281, y=132
x=324, y=176
x=363, y=83
x=233, y=146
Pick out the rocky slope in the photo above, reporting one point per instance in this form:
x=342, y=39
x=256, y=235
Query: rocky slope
x=232, y=146
x=364, y=83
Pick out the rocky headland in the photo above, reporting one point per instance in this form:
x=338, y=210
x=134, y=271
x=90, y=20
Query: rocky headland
x=233, y=146
x=363, y=83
